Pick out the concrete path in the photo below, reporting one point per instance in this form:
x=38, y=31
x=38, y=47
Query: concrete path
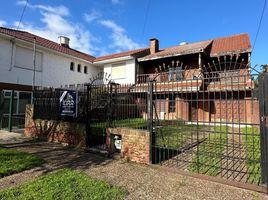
x=11, y=137
x=141, y=181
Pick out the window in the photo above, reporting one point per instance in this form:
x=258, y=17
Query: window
x=24, y=59
x=171, y=103
x=119, y=71
x=85, y=69
x=21, y=99
x=178, y=73
x=72, y=66
x=79, y=67
x=170, y=74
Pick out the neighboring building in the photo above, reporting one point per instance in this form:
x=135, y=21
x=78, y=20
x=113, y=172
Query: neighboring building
x=122, y=67
x=56, y=65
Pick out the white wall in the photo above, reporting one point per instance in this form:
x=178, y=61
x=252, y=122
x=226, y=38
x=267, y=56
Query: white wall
x=130, y=71
x=55, y=67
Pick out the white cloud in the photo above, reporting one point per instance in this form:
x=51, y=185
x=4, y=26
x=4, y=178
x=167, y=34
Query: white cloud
x=56, y=23
x=120, y=40
x=93, y=15
x=3, y=23
x=59, y=10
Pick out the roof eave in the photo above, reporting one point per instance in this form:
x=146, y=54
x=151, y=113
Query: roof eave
x=248, y=50
x=172, y=55
x=111, y=60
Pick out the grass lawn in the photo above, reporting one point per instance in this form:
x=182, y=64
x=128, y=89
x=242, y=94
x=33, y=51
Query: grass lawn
x=64, y=184
x=251, y=141
x=99, y=129
x=129, y=123
x=13, y=161
x=174, y=136
x=208, y=158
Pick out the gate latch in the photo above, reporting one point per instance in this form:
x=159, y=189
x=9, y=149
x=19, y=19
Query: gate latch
x=263, y=120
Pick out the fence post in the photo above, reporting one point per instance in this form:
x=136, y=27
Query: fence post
x=10, y=116
x=263, y=80
x=150, y=117
x=88, y=116
x=110, y=111
x=1, y=107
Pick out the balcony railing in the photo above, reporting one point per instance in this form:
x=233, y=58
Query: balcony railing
x=161, y=77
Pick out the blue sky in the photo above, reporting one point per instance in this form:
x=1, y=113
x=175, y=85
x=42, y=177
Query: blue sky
x=102, y=27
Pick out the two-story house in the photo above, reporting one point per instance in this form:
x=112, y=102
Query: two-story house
x=206, y=81
x=27, y=60
x=216, y=73
x=194, y=70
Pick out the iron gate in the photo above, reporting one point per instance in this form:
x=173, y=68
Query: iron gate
x=99, y=112
x=111, y=105
x=210, y=124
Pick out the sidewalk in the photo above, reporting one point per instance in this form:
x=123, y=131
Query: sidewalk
x=10, y=137
x=142, y=181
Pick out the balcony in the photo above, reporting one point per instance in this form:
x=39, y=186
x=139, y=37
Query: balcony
x=229, y=80
x=192, y=81
x=177, y=80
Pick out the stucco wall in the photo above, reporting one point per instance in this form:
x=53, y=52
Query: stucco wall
x=55, y=67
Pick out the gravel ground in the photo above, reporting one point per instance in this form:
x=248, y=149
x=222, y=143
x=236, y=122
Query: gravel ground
x=142, y=181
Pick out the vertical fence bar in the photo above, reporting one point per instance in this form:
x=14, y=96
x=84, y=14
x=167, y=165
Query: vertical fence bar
x=151, y=120
x=10, y=116
x=263, y=78
x=88, y=115
x=1, y=107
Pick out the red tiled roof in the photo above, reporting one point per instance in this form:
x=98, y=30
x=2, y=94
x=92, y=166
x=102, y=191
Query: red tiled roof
x=179, y=50
x=220, y=46
x=231, y=44
x=26, y=36
x=122, y=54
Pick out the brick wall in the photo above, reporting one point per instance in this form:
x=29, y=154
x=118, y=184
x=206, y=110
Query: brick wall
x=135, y=143
x=55, y=131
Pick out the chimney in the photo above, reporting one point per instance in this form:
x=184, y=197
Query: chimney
x=154, y=45
x=64, y=41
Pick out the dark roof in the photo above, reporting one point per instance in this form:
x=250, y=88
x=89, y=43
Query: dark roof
x=29, y=37
x=136, y=52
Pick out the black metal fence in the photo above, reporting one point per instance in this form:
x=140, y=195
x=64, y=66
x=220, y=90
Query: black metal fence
x=112, y=105
x=47, y=106
x=207, y=123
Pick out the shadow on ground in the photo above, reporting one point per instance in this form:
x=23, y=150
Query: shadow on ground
x=57, y=156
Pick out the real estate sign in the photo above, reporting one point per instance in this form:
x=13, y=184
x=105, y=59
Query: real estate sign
x=68, y=103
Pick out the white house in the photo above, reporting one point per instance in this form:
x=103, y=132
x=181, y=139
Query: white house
x=27, y=60
x=123, y=67
x=56, y=65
